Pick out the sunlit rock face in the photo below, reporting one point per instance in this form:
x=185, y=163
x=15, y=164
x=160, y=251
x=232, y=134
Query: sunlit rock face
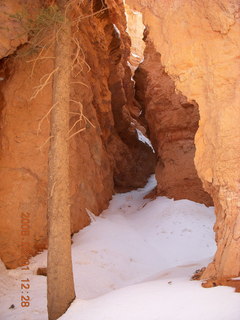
x=199, y=45
x=135, y=29
x=172, y=122
x=105, y=156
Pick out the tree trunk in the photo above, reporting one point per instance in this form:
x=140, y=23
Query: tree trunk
x=60, y=291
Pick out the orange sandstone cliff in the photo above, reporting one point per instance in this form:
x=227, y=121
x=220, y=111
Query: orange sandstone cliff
x=172, y=122
x=199, y=45
x=107, y=155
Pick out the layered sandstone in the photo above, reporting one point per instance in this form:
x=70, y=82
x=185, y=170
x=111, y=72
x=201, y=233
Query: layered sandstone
x=105, y=156
x=199, y=45
x=172, y=122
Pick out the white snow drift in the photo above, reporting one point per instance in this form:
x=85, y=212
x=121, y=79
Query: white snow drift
x=134, y=263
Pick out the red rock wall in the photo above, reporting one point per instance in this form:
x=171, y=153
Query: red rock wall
x=199, y=45
x=172, y=122
x=102, y=157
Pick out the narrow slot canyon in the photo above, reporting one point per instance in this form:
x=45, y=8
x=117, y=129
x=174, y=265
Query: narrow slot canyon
x=153, y=90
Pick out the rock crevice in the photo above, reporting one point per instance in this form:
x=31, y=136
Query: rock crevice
x=204, y=65
x=172, y=123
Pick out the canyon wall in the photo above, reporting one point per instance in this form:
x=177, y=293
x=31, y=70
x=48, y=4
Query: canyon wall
x=199, y=45
x=172, y=123
x=135, y=29
x=105, y=156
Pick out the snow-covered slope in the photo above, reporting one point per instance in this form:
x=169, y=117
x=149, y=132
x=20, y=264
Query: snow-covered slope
x=135, y=261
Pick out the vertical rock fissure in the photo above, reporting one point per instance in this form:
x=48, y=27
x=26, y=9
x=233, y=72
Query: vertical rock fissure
x=172, y=122
x=199, y=46
x=134, y=161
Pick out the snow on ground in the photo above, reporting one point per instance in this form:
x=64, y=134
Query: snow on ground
x=134, y=262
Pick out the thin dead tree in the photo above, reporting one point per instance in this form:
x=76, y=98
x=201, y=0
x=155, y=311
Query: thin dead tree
x=60, y=284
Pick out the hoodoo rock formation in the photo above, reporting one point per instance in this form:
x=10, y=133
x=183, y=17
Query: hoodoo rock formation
x=172, y=122
x=105, y=155
x=199, y=45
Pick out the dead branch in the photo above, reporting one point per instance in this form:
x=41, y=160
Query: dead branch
x=90, y=15
x=44, y=117
x=49, y=40
x=76, y=133
x=48, y=139
x=76, y=57
x=81, y=115
x=84, y=60
x=79, y=120
x=41, y=58
x=51, y=193
x=87, y=120
x=75, y=112
x=78, y=103
x=79, y=82
x=77, y=60
x=35, y=61
x=44, y=84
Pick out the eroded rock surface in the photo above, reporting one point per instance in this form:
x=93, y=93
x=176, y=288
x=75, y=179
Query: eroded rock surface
x=135, y=29
x=172, y=122
x=105, y=156
x=12, y=33
x=199, y=45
